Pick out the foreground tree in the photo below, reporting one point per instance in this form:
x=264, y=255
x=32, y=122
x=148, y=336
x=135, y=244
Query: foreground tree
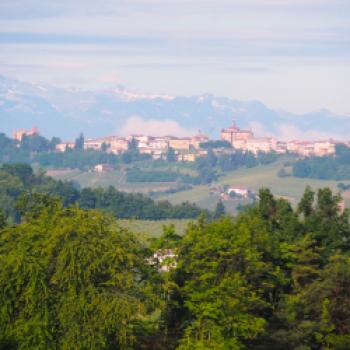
x=2, y=220
x=220, y=277
x=79, y=142
x=70, y=279
x=219, y=210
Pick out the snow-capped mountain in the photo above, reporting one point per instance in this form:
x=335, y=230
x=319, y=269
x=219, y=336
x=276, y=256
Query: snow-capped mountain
x=67, y=112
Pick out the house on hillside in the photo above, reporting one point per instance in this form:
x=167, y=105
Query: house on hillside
x=198, y=139
x=324, y=148
x=261, y=144
x=117, y=145
x=180, y=144
x=18, y=134
x=103, y=168
x=238, y=191
x=159, y=143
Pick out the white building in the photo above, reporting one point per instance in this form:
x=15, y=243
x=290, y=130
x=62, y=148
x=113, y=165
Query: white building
x=239, y=191
x=102, y=168
x=117, y=145
x=262, y=144
x=324, y=148
x=158, y=143
x=94, y=144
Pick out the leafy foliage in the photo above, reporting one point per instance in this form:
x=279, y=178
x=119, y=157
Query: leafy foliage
x=75, y=159
x=2, y=220
x=19, y=184
x=138, y=175
x=273, y=277
x=72, y=279
x=219, y=210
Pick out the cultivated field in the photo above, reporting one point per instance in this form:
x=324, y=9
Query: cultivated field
x=114, y=178
x=290, y=188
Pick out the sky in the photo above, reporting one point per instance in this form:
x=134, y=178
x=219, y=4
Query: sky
x=290, y=54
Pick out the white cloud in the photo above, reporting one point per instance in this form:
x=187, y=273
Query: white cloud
x=289, y=132
x=291, y=54
x=67, y=65
x=151, y=127
x=110, y=79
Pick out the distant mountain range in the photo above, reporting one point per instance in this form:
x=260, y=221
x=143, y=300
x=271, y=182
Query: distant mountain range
x=67, y=112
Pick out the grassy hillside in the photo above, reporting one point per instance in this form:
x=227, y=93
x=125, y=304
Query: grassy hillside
x=152, y=228
x=114, y=178
x=254, y=178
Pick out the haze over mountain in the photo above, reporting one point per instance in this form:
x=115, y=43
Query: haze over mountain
x=67, y=112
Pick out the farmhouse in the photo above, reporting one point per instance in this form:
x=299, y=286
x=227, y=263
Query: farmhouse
x=239, y=191
x=103, y=168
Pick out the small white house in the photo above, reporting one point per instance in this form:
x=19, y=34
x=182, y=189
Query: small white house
x=102, y=168
x=239, y=191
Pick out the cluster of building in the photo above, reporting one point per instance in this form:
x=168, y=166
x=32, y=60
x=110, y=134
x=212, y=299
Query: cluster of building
x=188, y=149
x=246, y=141
x=185, y=148
x=18, y=134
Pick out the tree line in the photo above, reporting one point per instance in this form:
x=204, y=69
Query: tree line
x=138, y=175
x=209, y=167
x=19, y=184
x=273, y=277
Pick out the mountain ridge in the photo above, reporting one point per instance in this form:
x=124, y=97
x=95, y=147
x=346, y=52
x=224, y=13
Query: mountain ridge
x=67, y=112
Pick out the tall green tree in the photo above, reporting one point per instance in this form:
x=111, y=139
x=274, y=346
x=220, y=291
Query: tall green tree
x=79, y=142
x=2, y=220
x=222, y=306
x=219, y=210
x=71, y=279
x=170, y=155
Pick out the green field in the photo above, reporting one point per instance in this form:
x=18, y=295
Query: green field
x=117, y=178
x=152, y=228
x=114, y=178
x=290, y=188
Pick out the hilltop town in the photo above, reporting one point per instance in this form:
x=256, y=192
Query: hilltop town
x=188, y=149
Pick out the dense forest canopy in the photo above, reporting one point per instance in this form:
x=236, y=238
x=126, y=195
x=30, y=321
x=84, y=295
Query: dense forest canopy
x=72, y=279
x=274, y=277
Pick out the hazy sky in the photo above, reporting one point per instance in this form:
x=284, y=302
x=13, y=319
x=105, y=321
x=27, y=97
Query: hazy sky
x=290, y=54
